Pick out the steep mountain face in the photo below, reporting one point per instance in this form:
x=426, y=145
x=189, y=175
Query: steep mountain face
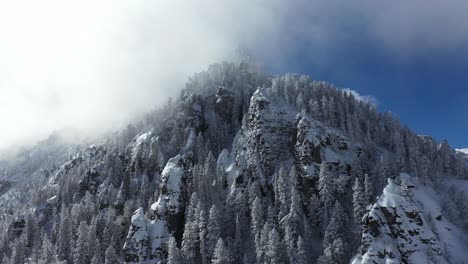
x=407, y=225
x=241, y=168
x=147, y=234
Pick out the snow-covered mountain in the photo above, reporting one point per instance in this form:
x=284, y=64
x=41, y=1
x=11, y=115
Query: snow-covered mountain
x=407, y=225
x=242, y=168
x=465, y=150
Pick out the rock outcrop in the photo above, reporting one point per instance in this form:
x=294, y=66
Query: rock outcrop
x=406, y=225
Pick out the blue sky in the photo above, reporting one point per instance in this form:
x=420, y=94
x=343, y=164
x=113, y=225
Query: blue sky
x=415, y=65
x=430, y=95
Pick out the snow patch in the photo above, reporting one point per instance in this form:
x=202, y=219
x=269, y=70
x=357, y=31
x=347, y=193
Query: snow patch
x=464, y=150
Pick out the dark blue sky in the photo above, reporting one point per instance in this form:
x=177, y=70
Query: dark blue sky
x=429, y=92
x=413, y=63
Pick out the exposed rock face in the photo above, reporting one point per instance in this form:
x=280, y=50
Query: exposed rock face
x=65, y=168
x=136, y=245
x=316, y=143
x=147, y=235
x=276, y=132
x=406, y=225
x=268, y=136
x=90, y=181
x=224, y=103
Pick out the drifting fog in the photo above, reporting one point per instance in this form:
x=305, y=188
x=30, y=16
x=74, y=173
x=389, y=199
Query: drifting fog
x=93, y=65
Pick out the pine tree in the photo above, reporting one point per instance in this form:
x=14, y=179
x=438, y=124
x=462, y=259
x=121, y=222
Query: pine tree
x=368, y=190
x=292, y=225
x=214, y=229
x=95, y=260
x=174, y=255
x=257, y=217
x=190, y=238
x=315, y=109
x=334, y=253
x=92, y=241
x=80, y=251
x=47, y=254
x=274, y=252
x=237, y=249
x=221, y=253
x=336, y=226
x=314, y=216
x=203, y=232
x=254, y=191
x=18, y=254
x=358, y=204
x=111, y=256
x=283, y=187
x=301, y=255
x=64, y=238
x=262, y=246
x=326, y=193
x=6, y=260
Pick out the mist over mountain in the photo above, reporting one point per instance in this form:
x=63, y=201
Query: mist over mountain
x=241, y=167
x=75, y=65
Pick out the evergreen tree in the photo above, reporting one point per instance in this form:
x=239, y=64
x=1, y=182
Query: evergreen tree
x=64, y=247
x=274, y=249
x=334, y=253
x=301, y=255
x=174, y=256
x=261, y=250
x=190, y=239
x=257, y=217
x=358, y=204
x=111, y=256
x=336, y=226
x=80, y=251
x=92, y=244
x=47, y=254
x=18, y=254
x=221, y=253
x=214, y=229
x=326, y=193
x=368, y=190
x=95, y=260
x=203, y=233
x=283, y=187
x=314, y=211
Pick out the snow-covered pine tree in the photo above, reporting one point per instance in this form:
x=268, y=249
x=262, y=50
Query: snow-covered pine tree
x=359, y=205
x=80, y=251
x=174, y=255
x=111, y=256
x=221, y=253
x=326, y=194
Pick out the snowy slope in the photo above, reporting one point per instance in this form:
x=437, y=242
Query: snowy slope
x=233, y=136
x=407, y=225
x=464, y=150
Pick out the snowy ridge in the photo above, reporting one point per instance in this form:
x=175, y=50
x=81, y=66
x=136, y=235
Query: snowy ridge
x=233, y=173
x=407, y=225
x=464, y=150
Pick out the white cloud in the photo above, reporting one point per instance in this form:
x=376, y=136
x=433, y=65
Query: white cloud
x=364, y=98
x=92, y=65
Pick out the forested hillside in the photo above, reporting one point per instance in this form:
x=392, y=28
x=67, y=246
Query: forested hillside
x=242, y=167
